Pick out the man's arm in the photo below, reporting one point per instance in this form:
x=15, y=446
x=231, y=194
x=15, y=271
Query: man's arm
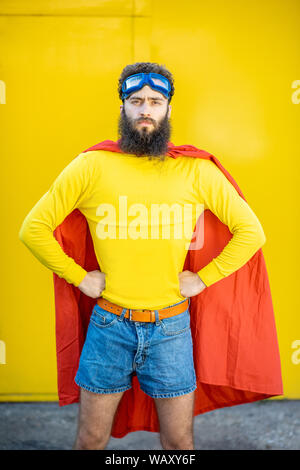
x=223, y=200
x=70, y=189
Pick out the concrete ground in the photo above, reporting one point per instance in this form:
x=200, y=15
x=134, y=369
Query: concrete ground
x=268, y=424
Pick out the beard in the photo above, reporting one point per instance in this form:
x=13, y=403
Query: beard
x=141, y=142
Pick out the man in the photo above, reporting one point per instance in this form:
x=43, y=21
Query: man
x=140, y=324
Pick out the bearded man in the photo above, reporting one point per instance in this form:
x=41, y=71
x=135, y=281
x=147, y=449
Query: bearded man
x=140, y=325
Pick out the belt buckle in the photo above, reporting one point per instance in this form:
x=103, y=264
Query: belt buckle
x=151, y=314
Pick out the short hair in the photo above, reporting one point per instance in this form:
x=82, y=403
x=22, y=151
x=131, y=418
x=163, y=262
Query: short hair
x=145, y=67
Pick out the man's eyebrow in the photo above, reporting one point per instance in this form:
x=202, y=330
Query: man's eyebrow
x=150, y=97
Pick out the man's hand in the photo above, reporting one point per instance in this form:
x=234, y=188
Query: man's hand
x=190, y=284
x=93, y=284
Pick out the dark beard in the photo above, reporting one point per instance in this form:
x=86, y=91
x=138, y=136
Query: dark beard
x=152, y=144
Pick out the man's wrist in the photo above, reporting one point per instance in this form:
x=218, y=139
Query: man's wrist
x=201, y=282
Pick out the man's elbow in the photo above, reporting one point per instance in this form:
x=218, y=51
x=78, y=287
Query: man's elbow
x=25, y=233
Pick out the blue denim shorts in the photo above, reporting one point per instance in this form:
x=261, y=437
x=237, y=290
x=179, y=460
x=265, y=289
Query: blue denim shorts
x=160, y=353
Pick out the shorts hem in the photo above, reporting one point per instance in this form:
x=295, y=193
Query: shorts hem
x=171, y=394
x=102, y=390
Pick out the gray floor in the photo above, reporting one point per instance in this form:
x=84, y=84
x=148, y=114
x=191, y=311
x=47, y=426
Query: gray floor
x=268, y=424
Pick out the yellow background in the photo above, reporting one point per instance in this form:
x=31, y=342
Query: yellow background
x=236, y=67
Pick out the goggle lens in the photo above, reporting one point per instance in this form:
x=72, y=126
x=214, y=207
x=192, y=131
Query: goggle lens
x=132, y=81
x=159, y=82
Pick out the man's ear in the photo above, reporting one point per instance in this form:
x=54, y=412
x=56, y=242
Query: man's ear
x=121, y=107
x=170, y=109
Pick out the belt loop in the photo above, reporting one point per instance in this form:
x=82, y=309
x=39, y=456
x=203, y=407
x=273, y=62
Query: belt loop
x=130, y=314
x=121, y=317
x=189, y=301
x=157, y=321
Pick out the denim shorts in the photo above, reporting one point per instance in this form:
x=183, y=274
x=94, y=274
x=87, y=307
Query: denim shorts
x=160, y=353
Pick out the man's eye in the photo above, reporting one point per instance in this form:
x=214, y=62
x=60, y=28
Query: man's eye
x=138, y=102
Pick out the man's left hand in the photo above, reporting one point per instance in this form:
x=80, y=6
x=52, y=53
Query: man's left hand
x=190, y=284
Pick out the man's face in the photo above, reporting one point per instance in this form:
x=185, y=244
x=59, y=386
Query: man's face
x=144, y=125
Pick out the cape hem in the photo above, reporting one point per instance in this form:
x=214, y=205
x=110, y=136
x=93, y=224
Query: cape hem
x=196, y=413
x=267, y=389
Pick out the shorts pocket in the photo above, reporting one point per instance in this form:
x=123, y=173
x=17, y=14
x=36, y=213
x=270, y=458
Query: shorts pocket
x=176, y=325
x=102, y=318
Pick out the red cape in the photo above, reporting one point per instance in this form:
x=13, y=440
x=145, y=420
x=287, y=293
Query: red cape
x=236, y=352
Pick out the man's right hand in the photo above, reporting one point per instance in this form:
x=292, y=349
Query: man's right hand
x=93, y=284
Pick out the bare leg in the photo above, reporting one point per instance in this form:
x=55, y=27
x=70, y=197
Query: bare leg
x=176, y=417
x=96, y=414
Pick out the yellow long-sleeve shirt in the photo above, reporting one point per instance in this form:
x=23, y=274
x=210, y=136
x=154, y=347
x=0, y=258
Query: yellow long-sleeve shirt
x=141, y=214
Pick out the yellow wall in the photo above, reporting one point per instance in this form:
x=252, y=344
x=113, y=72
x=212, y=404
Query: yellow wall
x=237, y=81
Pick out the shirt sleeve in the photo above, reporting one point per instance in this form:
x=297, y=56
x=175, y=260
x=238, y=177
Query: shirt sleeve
x=69, y=191
x=221, y=197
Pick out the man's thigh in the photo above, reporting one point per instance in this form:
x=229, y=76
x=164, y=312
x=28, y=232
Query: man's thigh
x=95, y=419
x=176, y=418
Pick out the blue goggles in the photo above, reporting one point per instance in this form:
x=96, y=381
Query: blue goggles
x=154, y=80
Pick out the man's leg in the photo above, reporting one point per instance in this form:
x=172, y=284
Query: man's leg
x=176, y=419
x=96, y=414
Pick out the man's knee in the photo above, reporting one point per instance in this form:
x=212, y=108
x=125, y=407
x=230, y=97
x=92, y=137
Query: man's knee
x=177, y=441
x=87, y=440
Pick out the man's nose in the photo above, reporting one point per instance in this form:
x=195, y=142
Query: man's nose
x=145, y=109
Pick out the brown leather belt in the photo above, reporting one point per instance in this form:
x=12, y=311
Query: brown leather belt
x=143, y=315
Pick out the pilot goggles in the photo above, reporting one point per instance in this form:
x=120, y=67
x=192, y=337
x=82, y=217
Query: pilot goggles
x=154, y=80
